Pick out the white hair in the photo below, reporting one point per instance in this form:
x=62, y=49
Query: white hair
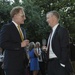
x=38, y=43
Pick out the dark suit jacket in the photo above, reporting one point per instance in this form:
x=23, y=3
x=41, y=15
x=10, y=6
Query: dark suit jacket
x=60, y=46
x=11, y=43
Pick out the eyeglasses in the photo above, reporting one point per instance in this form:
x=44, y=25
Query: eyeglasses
x=22, y=16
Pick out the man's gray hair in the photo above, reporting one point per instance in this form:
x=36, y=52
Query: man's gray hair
x=55, y=13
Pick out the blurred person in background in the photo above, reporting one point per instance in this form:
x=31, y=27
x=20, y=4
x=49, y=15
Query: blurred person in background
x=34, y=64
x=40, y=59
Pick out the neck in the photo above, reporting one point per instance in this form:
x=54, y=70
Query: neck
x=15, y=21
x=54, y=24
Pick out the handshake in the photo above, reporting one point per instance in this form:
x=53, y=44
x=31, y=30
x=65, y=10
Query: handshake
x=24, y=43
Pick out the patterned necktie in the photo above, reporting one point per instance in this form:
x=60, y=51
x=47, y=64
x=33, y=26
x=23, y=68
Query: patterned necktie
x=20, y=32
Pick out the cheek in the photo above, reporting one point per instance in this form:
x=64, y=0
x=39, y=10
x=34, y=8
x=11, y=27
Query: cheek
x=20, y=19
x=48, y=20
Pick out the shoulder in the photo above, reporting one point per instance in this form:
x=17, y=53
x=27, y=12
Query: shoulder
x=8, y=25
x=63, y=32
x=5, y=27
x=62, y=29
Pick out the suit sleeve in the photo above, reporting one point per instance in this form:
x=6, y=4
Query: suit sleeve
x=64, y=44
x=6, y=42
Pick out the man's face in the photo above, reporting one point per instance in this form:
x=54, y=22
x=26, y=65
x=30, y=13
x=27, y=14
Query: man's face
x=49, y=19
x=20, y=17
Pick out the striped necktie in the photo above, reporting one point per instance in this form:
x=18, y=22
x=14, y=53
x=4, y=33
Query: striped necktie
x=20, y=32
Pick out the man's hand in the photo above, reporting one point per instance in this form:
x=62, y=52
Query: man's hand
x=24, y=43
x=44, y=48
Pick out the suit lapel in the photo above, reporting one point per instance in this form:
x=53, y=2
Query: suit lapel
x=15, y=30
x=55, y=33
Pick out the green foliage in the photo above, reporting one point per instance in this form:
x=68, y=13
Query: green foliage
x=35, y=10
x=4, y=11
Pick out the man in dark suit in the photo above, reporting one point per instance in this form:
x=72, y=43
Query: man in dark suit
x=57, y=47
x=13, y=42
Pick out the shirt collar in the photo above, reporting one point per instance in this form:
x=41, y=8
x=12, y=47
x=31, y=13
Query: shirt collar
x=15, y=23
x=54, y=28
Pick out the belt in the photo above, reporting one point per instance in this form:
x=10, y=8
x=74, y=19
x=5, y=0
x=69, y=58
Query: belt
x=52, y=59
